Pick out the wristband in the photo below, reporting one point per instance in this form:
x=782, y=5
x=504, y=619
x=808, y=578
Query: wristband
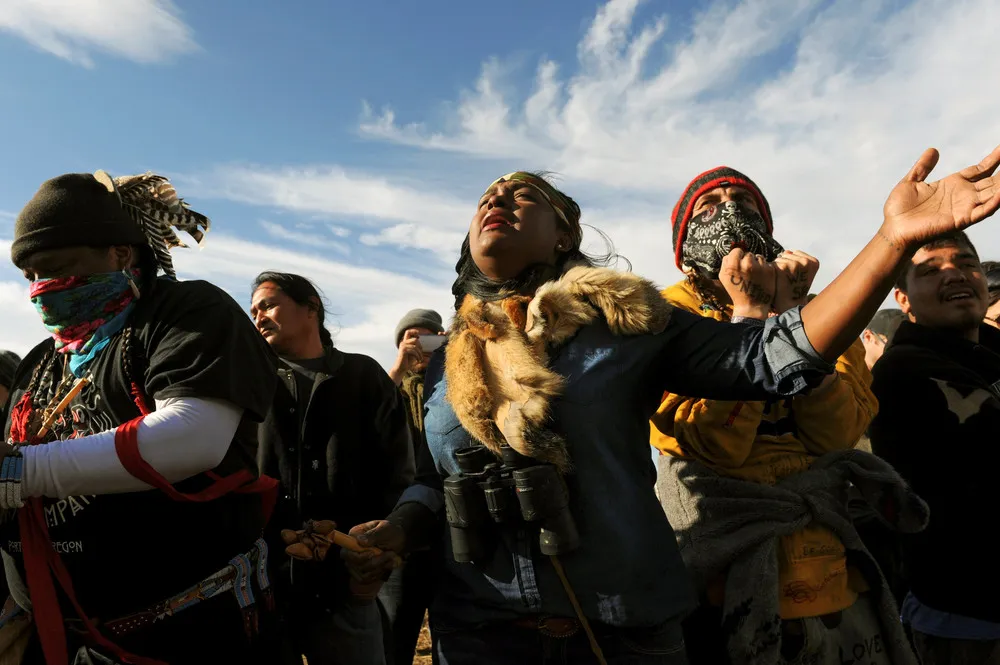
x=11, y=472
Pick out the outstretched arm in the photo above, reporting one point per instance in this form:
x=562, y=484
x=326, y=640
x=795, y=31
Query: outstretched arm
x=915, y=212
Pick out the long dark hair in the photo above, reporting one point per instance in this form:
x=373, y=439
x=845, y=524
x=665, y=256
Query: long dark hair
x=302, y=291
x=472, y=281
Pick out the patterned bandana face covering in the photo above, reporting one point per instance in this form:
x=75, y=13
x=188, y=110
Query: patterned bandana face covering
x=84, y=313
x=567, y=211
x=714, y=233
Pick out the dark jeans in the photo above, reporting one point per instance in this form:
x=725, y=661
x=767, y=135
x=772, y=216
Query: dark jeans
x=943, y=651
x=405, y=598
x=351, y=635
x=507, y=644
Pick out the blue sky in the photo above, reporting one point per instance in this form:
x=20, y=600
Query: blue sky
x=350, y=141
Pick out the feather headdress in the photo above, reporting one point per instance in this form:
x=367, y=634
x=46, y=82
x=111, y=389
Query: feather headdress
x=152, y=203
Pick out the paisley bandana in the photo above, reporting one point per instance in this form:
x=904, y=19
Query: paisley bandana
x=84, y=313
x=714, y=233
x=567, y=210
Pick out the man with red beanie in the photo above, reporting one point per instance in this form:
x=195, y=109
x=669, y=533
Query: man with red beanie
x=750, y=444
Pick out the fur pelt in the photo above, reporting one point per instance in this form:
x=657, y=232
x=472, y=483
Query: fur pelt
x=496, y=363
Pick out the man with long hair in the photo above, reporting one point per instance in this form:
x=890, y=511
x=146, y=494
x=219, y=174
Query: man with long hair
x=337, y=439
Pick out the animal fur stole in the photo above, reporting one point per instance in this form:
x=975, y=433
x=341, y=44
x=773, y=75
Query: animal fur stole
x=496, y=364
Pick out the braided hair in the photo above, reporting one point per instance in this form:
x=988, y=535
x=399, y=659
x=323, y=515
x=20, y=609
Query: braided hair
x=703, y=286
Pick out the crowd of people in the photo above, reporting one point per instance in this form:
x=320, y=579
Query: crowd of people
x=186, y=484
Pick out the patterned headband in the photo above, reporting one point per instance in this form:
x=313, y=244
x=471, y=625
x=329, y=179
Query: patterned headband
x=567, y=210
x=152, y=203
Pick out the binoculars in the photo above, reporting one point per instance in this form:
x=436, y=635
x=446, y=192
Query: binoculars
x=513, y=491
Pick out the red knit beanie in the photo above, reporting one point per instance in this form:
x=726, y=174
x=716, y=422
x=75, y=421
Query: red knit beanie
x=706, y=182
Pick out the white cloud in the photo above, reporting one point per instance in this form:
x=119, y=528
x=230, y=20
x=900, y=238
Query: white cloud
x=444, y=243
x=21, y=329
x=826, y=133
x=283, y=232
x=332, y=190
x=145, y=31
x=825, y=105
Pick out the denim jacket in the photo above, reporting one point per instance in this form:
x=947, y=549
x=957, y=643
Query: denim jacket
x=627, y=571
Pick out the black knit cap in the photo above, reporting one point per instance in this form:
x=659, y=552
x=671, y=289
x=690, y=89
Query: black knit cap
x=706, y=182
x=73, y=210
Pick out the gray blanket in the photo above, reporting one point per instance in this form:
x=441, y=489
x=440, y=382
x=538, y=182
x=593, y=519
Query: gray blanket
x=732, y=527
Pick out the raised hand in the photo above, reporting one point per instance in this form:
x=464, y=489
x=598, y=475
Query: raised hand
x=796, y=272
x=410, y=355
x=750, y=282
x=917, y=211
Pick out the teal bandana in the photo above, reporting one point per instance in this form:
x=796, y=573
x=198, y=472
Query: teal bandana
x=84, y=313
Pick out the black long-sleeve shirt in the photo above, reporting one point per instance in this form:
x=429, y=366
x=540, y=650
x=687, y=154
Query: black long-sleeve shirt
x=938, y=423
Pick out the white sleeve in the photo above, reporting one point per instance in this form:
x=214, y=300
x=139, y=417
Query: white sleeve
x=185, y=436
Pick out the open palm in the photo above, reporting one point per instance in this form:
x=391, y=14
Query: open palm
x=917, y=211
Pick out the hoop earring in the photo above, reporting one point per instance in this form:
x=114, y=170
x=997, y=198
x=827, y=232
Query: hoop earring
x=131, y=283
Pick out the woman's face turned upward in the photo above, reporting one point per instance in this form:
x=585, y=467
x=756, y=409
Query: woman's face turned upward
x=514, y=228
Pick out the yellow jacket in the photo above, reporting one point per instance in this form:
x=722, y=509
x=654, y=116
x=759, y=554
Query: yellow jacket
x=766, y=441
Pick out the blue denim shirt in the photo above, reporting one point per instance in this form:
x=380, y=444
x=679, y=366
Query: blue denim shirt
x=627, y=570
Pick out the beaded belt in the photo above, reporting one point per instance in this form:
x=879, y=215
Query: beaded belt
x=238, y=577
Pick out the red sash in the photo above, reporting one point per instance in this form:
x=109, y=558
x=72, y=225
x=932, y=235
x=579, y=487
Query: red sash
x=42, y=563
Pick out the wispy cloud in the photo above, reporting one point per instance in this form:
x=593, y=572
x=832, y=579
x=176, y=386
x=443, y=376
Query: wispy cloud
x=282, y=232
x=444, y=243
x=332, y=190
x=824, y=104
x=145, y=31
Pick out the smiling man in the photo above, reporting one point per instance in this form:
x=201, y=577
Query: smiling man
x=937, y=386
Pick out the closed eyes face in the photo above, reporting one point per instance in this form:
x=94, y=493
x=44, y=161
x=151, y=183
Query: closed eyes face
x=514, y=227
x=722, y=194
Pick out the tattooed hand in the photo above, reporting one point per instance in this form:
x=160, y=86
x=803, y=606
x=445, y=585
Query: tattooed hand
x=796, y=272
x=750, y=281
